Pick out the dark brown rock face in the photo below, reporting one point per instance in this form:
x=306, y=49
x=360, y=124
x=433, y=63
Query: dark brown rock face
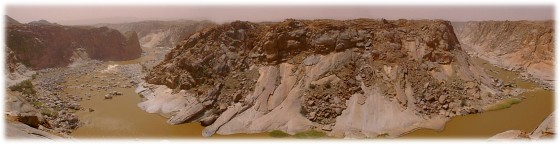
x=214, y=52
x=49, y=45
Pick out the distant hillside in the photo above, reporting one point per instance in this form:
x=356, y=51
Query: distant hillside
x=160, y=33
x=46, y=45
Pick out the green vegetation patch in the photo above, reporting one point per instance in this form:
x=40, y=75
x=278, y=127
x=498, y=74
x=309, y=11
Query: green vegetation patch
x=25, y=87
x=278, y=134
x=310, y=134
x=49, y=112
x=383, y=135
x=37, y=104
x=503, y=104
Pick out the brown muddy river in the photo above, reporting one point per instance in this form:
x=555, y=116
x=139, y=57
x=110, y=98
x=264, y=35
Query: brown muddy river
x=120, y=117
x=525, y=116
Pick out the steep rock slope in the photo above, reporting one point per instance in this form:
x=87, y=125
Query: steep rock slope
x=15, y=72
x=10, y=21
x=354, y=78
x=161, y=33
x=42, y=45
x=526, y=46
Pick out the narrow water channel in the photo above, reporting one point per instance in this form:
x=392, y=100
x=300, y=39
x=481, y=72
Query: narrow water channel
x=526, y=116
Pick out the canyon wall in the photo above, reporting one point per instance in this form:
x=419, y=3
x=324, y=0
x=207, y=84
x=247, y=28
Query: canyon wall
x=41, y=45
x=525, y=46
x=160, y=33
x=352, y=78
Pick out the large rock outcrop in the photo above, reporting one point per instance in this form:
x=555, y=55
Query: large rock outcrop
x=353, y=78
x=161, y=33
x=49, y=45
x=526, y=46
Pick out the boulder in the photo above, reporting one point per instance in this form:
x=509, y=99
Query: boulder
x=108, y=96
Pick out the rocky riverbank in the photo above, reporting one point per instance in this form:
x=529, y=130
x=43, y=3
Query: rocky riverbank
x=54, y=102
x=298, y=75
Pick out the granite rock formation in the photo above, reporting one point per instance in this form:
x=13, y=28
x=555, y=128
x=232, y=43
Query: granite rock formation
x=352, y=78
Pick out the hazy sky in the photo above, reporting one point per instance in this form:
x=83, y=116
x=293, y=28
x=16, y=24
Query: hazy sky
x=72, y=15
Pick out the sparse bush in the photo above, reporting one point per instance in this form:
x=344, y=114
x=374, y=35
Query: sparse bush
x=310, y=134
x=383, y=135
x=37, y=104
x=50, y=113
x=25, y=87
x=278, y=134
x=503, y=104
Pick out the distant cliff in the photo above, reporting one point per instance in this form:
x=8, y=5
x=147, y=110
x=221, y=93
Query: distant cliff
x=48, y=45
x=161, y=33
x=526, y=46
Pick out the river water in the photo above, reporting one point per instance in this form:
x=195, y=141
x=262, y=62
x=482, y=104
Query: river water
x=120, y=117
x=526, y=116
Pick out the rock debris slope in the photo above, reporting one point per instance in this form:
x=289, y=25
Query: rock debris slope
x=353, y=78
x=525, y=46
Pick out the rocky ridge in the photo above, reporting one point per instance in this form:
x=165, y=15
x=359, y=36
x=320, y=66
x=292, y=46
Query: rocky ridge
x=525, y=46
x=353, y=78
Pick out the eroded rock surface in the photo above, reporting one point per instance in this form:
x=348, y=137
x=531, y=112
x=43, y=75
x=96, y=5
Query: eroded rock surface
x=525, y=46
x=353, y=78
